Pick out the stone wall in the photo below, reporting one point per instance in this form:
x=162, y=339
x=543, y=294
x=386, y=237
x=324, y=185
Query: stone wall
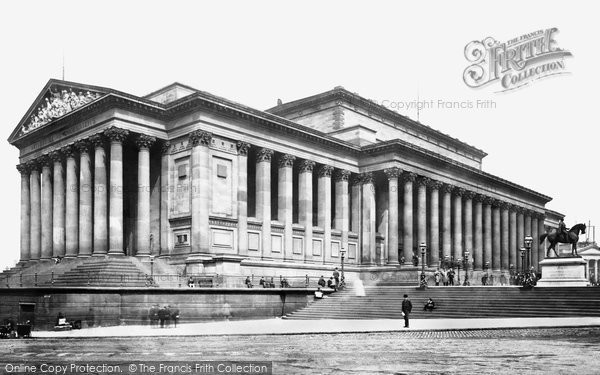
x=106, y=307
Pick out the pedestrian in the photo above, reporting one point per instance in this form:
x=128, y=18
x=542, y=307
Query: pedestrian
x=321, y=282
x=174, y=315
x=262, y=282
x=248, y=282
x=162, y=316
x=429, y=305
x=445, y=278
x=438, y=277
x=406, y=309
x=484, y=279
x=331, y=283
x=451, y=277
x=318, y=293
x=336, y=277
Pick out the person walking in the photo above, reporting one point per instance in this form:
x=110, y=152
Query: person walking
x=174, y=315
x=438, y=277
x=336, y=277
x=406, y=309
x=445, y=278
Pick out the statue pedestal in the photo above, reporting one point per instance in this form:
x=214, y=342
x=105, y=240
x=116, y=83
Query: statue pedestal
x=557, y=272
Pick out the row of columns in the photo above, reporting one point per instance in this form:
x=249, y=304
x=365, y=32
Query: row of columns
x=70, y=214
x=492, y=230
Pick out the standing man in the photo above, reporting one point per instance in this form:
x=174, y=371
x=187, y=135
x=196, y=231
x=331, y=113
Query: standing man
x=336, y=277
x=562, y=230
x=406, y=309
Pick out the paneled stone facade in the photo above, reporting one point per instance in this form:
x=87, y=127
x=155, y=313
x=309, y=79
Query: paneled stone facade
x=201, y=180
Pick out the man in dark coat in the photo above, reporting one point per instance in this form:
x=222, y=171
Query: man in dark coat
x=406, y=309
x=562, y=230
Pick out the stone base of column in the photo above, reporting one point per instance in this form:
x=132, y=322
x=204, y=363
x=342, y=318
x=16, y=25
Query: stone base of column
x=84, y=256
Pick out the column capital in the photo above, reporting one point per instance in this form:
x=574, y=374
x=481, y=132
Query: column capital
x=33, y=165
x=325, y=171
x=355, y=179
x=488, y=200
x=116, y=134
x=393, y=172
x=479, y=198
x=97, y=140
x=539, y=215
x=82, y=145
x=306, y=166
x=264, y=154
x=367, y=178
x=469, y=195
x=435, y=184
x=55, y=156
x=409, y=176
x=519, y=209
x=165, y=146
x=69, y=151
x=286, y=160
x=503, y=205
x=144, y=141
x=243, y=148
x=23, y=168
x=527, y=211
x=458, y=191
x=447, y=188
x=341, y=175
x=45, y=161
x=200, y=137
x=423, y=181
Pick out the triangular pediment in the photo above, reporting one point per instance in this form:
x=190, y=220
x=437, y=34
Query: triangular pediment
x=56, y=100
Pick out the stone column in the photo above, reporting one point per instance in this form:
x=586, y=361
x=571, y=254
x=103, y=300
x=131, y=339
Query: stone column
x=35, y=230
x=263, y=196
x=58, y=206
x=242, y=197
x=143, y=143
x=496, y=242
x=368, y=237
x=478, y=240
x=513, y=254
x=72, y=204
x=434, y=224
x=285, y=203
x=446, y=220
x=305, y=204
x=25, y=212
x=342, y=205
x=487, y=231
x=458, y=250
x=47, y=237
x=324, y=207
x=504, y=253
x=165, y=226
x=541, y=230
x=86, y=190
x=535, y=244
x=408, y=245
x=468, y=224
x=356, y=212
x=422, y=213
x=100, y=196
x=520, y=234
x=527, y=232
x=392, y=237
x=200, y=141
x=115, y=220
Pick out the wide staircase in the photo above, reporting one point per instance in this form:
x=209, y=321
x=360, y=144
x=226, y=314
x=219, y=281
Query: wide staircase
x=384, y=302
x=105, y=272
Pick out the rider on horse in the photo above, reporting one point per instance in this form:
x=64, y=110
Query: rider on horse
x=562, y=230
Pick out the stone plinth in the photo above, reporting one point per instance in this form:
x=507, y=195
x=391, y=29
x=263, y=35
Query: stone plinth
x=557, y=272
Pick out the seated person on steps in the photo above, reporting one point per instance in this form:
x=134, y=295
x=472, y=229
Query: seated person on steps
x=429, y=305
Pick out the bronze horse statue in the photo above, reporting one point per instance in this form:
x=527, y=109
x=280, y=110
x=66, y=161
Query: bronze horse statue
x=572, y=238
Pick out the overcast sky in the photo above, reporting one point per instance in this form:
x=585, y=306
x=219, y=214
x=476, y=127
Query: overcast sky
x=257, y=52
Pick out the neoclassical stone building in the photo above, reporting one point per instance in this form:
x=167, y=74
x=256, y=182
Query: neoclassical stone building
x=203, y=181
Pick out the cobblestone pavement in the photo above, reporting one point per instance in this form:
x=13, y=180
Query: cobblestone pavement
x=502, y=351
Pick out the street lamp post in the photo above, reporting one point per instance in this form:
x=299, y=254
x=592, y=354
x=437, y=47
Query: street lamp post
x=527, y=281
x=152, y=268
x=458, y=262
x=423, y=247
x=343, y=279
x=466, y=282
x=522, y=272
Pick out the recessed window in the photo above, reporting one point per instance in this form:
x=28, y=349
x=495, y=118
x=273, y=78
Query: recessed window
x=182, y=171
x=221, y=171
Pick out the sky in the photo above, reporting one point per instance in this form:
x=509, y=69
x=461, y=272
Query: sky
x=541, y=136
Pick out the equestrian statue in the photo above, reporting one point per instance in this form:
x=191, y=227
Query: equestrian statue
x=564, y=236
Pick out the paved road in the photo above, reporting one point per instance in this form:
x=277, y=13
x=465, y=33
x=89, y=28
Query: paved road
x=518, y=351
